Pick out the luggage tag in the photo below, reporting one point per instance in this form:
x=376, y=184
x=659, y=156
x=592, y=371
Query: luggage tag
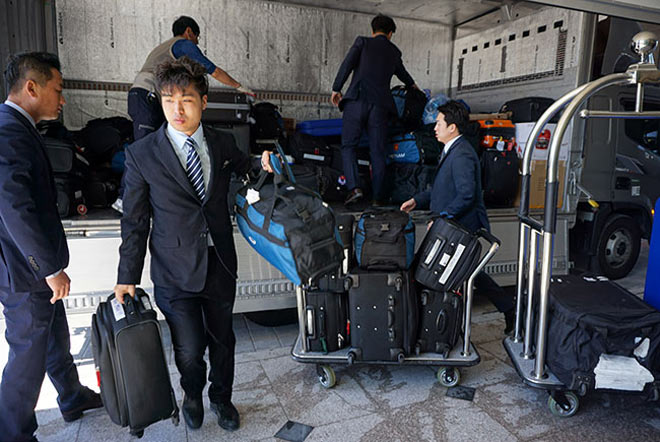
x=117, y=310
x=252, y=196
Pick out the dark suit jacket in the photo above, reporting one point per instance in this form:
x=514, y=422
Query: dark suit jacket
x=157, y=187
x=457, y=188
x=32, y=240
x=373, y=61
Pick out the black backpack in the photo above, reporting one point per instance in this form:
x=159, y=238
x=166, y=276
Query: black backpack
x=410, y=103
x=268, y=122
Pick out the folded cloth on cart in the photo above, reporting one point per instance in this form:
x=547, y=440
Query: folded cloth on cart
x=289, y=225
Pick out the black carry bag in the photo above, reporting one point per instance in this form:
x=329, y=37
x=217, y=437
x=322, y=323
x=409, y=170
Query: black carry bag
x=441, y=318
x=305, y=176
x=447, y=256
x=591, y=317
x=383, y=312
x=225, y=106
x=101, y=138
x=309, y=149
x=500, y=177
x=101, y=188
x=406, y=180
x=410, y=103
x=326, y=316
x=384, y=240
x=70, y=196
x=332, y=184
x=428, y=144
x=528, y=109
x=268, y=123
x=345, y=223
x=130, y=363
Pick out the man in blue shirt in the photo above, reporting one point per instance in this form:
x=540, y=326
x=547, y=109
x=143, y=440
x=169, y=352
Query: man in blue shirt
x=143, y=99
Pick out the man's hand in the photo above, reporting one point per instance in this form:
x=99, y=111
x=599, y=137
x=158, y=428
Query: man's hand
x=122, y=289
x=246, y=91
x=408, y=205
x=265, y=161
x=60, y=285
x=335, y=98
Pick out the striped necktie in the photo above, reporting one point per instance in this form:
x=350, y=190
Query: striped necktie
x=194, y=169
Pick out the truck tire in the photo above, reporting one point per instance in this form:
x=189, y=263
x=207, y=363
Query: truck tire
x=618, y=246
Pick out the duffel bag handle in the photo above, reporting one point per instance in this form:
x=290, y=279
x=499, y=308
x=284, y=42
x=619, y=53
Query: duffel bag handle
x=133, y=306
x=280, y=166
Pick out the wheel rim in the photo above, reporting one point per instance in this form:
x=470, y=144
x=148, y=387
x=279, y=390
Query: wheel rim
x=618, y=248
x=448, y=377
x=559, y=411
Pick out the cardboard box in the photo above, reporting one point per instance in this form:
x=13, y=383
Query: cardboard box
x=524, y=130
x=537, y=185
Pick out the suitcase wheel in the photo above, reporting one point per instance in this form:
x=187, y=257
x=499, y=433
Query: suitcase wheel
x=327, y=377
x=563, y=403
x=449, y=376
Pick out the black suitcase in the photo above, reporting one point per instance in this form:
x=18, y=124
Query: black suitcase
x=500, y=177
x=70, y=196
x=310, y=149
x=326, y=316
x=383, y=312
x=528, y=109
x=226, y=107
x=590, y=317
x=332, y=184
x=447, y=256
x=440, y=321
x=345, y=223
x=130, y=363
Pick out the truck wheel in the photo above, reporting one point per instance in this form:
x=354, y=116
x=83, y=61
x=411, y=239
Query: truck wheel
x=618, y=246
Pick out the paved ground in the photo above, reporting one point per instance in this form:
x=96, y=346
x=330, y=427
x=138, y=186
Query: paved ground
x=370, y=403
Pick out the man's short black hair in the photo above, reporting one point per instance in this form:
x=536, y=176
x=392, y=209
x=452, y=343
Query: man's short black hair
x=179, y=74
x=383, y=23
x=29, y=66
x=455, y=113
x=183, y=22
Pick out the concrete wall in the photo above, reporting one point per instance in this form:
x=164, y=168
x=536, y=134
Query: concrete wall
x=540, y=64
x=267, y=46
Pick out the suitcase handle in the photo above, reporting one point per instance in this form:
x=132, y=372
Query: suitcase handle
x=133, y=307
x=485, y=234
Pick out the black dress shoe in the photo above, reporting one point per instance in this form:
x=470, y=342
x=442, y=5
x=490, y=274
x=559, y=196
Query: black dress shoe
x=228, y=417
x=90, y=400
x=509, y=320
x=354, y=196
x=193, y=412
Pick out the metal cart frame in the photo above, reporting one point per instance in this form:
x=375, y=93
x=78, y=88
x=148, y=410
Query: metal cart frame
x=529, y=357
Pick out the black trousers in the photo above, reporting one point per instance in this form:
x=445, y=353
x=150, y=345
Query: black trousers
x=359, y=115
x=485, y=285
x=201, y=320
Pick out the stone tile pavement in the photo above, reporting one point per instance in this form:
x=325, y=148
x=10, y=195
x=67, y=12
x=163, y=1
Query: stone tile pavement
x=369, y=403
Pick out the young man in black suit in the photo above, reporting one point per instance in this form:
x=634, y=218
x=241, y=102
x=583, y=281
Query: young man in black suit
x=178, y=178
x=368, y=102
x=457, y=193
x=34, y=254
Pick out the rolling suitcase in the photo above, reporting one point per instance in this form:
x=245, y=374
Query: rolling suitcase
x=441, y=317
x=447, y=256
x=321, y=128
x=224, y=106
x=500, y=177
x=497, y=134
x=130, y=363
x=326, y=320
x=383, y=314
x=310, y=149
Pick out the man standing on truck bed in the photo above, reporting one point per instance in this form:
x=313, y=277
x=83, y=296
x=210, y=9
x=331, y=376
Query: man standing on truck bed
x=368, y=102
x=143, y=99
x=177, y=180
x=456, y=193
x=34, y=254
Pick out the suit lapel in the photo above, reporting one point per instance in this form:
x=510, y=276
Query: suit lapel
x=215, y=156
x=172, y=163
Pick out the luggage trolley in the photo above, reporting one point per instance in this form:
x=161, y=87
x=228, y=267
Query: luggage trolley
x=528, y=357
x=464, y=354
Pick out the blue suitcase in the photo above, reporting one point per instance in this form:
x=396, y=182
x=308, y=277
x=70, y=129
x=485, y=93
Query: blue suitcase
x=289, y=225
x=320, y=128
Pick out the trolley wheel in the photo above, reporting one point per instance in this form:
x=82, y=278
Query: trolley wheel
x=449, y=376
x=351, y=357
x=327, y=376
x=138, y=433
x=400, y=358
x=559, y=411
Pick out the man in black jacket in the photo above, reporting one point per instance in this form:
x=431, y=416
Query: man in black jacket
x=34, y=254
x=368, y=101
x=178, y=177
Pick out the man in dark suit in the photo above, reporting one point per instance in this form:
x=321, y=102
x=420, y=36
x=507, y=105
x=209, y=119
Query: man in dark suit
x=34, y=254
x=368, y=101
x=457, y=193
x=179, y=177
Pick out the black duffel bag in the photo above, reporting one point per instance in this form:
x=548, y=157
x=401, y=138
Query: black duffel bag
x=310, y=149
